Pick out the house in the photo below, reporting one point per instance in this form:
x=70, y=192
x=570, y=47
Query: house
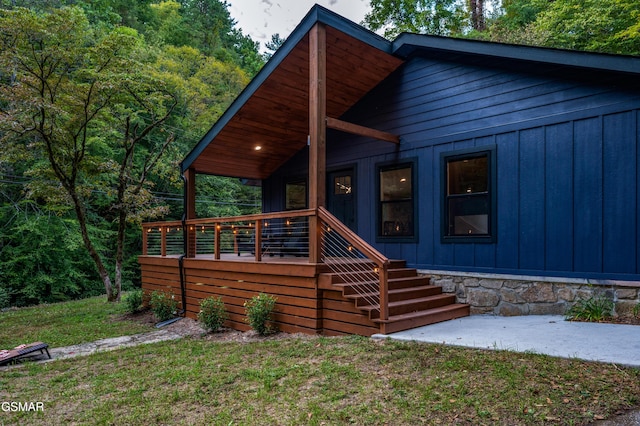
x=415, y=181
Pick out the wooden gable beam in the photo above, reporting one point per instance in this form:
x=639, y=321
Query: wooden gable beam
x=343, y=126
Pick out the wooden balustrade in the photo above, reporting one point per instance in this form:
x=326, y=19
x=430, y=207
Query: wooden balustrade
x=277, y=233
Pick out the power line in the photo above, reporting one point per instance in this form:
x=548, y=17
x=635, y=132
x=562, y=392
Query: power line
x=165, y=196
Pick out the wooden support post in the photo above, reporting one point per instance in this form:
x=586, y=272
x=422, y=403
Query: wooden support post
x=258, y=240
x=317, y=132
x=216, y=242
x=384, y=292
x=190, y=205
x=145, y=240
x=163, y=241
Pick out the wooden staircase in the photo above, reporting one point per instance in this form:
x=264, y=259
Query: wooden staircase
x=413, y=301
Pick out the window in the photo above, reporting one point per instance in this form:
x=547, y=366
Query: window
x=342, y=185
x=396, y=215
x=295, y=194
x=469, y=201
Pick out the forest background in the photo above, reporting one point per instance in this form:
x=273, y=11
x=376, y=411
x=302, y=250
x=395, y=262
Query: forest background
x=101, y=100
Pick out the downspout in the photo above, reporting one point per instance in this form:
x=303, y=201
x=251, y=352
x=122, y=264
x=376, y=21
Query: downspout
x=184, y=247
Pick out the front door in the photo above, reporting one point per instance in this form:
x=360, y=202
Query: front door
x=341, y=196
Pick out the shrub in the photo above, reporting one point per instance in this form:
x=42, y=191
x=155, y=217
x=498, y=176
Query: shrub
x=258, y=311
x=593, y=309
x=163, y=305
x=133, y=301
x=636, y=310
x=212, y=313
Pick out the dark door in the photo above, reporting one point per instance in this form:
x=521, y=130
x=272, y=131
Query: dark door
x=341, y=196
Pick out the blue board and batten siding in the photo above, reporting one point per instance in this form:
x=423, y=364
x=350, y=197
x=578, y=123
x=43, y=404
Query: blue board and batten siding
x=566, y=145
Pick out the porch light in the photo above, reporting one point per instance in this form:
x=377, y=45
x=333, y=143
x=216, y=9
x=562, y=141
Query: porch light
x=149, y=230
x=350, y=248
x=202, y=229
x=257, y=147
x=288, y=222
x=403, y=180
x=376, y=270
x=191, y=228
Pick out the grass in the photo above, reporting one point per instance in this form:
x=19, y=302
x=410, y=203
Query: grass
x=63, y=324
x=594, y=309
x=316, y=380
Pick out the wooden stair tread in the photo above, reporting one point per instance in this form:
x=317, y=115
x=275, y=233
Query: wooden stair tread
x=415, y=314
x=413, y=301
x=398, y=291
x=422, y=281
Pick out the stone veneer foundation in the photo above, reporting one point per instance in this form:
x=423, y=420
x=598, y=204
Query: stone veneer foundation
x=509, y=295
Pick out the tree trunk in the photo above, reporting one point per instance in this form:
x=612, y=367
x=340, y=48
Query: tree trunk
x=122, y=225
x=476, y=8
x=102, y=271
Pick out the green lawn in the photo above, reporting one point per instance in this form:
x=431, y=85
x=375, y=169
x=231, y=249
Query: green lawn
x=63, y=324
x=315, y=380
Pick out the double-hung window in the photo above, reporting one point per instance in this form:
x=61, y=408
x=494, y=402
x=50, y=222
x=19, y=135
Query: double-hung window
x=468, y=213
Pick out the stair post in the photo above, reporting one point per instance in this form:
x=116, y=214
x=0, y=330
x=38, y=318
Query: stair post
x=384, y=291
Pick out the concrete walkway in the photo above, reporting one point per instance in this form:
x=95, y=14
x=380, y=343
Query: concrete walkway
x=542, y=334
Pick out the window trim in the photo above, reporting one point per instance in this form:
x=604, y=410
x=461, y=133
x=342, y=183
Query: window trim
x=445, y=158
x=395, y=165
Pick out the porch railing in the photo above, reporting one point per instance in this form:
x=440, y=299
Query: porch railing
x=280, y=234
x=356, y=263
x=268, y=234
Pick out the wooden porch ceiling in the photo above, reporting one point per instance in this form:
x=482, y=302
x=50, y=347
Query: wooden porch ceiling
x=273, y=112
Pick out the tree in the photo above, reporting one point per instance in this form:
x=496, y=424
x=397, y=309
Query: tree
x=437, y=17
x=273, y=45
x=78, y=104
x=605, y=26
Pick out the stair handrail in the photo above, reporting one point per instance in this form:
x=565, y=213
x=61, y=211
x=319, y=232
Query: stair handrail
x=381, y=261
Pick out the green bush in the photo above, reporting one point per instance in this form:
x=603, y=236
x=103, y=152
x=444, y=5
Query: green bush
x=593, y=309
x=259, y=310
x=212, y=313
x=163, y=305
x=133, y=301
x=636, y=310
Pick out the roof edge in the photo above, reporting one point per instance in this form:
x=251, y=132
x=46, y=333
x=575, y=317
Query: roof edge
x=407, y=44
x=317, y=14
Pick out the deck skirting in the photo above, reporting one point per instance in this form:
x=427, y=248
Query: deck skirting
x=301, y=306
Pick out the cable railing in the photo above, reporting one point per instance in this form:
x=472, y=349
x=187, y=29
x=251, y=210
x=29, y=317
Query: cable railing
x=273, y=234
x=358, y=265
x=162, y=238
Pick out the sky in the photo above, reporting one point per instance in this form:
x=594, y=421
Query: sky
x=260, y=19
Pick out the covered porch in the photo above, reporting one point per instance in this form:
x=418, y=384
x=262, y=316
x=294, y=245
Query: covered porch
x=326, y=278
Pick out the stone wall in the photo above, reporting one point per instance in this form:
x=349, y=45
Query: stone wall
x=511, y=296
